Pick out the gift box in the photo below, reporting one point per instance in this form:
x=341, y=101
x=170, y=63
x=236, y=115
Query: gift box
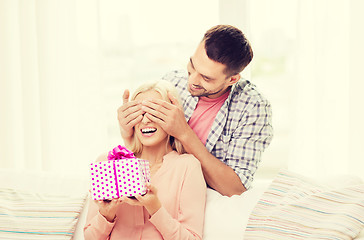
x=122, y=175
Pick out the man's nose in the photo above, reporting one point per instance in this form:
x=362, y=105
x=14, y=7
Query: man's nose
x=194, y=79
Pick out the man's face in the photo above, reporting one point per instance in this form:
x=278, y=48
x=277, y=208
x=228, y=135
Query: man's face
x=207, y=77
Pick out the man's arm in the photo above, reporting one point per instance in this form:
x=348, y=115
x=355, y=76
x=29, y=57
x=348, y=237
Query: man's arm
x=218, y=175
x=170, y=117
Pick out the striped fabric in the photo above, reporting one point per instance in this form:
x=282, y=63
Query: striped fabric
x=30, y=216
x=295, y=207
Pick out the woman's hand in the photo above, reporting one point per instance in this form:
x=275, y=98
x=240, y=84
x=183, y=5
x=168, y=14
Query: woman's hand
x=108, y=208
x=150, y=200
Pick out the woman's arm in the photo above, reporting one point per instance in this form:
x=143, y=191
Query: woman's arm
x=189, y=223
x=98, y=226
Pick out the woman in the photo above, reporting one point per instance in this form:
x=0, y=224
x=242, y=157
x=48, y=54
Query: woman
x=174, y=205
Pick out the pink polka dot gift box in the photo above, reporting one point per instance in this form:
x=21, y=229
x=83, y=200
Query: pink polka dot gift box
x=122, y=175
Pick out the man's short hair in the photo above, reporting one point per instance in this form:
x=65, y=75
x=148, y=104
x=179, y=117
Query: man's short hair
x=228, y=45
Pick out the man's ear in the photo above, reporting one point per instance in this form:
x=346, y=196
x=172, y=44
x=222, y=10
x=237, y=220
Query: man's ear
x=233, y=79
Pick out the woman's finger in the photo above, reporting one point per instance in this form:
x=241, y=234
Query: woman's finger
x=131, y=201
x=152, y=188
x=139, y=198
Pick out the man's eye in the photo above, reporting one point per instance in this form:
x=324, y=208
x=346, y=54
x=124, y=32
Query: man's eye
x=205, y=78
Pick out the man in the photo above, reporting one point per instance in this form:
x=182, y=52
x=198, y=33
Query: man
x=227, y=122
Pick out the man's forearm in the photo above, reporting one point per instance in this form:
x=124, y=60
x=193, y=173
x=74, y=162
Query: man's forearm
x=127, y=140
x=218, y=175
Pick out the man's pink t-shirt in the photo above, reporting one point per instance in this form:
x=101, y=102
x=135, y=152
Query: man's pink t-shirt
x=204, y=115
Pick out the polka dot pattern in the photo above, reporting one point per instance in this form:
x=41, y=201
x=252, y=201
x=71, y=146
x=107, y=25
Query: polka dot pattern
x=116, y=178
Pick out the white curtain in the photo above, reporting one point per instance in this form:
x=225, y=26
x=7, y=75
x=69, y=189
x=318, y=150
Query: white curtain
x=56, y=86
x=308, y=63
x=50, y=105
x=326, y=141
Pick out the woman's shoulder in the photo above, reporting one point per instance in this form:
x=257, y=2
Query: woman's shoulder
x=186, y=160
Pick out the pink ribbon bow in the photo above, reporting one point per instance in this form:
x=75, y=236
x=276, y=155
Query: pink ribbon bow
x=120, y=152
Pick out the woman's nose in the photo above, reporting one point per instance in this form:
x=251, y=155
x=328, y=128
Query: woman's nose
x=145, y=119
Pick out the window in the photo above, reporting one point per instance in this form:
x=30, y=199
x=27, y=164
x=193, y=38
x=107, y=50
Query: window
x=143, y=40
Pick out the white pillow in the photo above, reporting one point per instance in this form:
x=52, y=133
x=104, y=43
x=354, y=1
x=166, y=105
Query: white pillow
x=226, y=217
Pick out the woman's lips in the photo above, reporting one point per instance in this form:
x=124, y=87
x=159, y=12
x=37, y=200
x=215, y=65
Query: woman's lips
x=148, y=131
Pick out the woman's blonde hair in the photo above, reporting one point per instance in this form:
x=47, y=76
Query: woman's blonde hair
x=163, y=88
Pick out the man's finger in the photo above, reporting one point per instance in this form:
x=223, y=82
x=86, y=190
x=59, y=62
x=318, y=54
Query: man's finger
x=153, y=109
x=159, y=104
x=130, y=106
x=126, y=96
x=135, y=121
x=132, y=116
x=173, y=99
x=155, y=119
